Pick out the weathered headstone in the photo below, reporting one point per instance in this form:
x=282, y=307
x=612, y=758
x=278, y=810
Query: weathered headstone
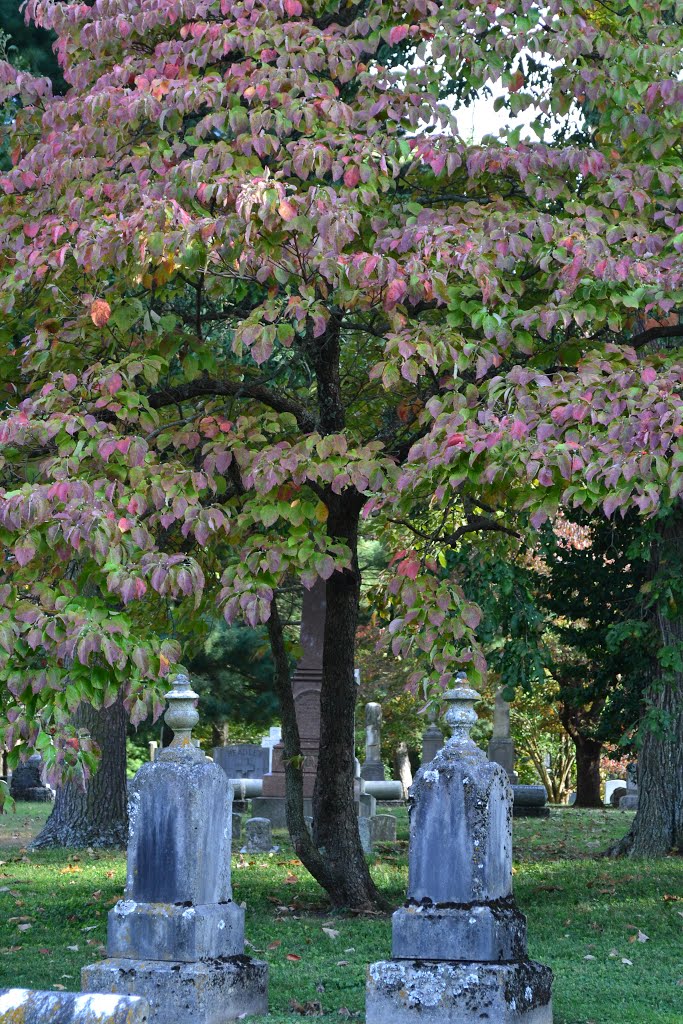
x=530, y=801
x=242, y=760
x=459, y=942
x=383, y=828
x=27, y=781
x=306, y=686
x=629, y=802
x=178, y=938
x=259, y=835
x=367, y=805
x=236, y=826
x=502, y=747
x=26, y=1006
x=372, y=768
x=432, y=739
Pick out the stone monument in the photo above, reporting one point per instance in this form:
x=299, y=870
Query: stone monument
x=259, y=836
x=629, y=802
x=502, y=747
x=530, y=801
x=242, y=760
x=432, y=739
x=459, y=942
x=372, y=768
x=306, y=686
x=177, y=938
x=29, y=1006
x=27, y=781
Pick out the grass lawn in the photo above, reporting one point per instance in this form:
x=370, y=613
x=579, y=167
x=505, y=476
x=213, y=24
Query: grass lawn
x=588, y=919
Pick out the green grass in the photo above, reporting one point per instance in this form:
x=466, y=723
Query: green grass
x=577, y=906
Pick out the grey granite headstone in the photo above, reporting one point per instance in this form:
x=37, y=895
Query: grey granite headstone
x=177, y=937
x=629, y=802
x=243, y=760
x=367, y=805
x=432, y=739
x=383, y=828
x=372, y=768
x=27, y=781
x=236, y=826
x=529, y=801
x=459, y=942
x=501, y=748
x=259, y=835
x=25, y=1006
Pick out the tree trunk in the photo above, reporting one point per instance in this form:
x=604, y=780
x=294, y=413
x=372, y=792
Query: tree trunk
x=98, y=814
x=658, y=825
x=587, y=772
x=335, y=818
x=402, y=769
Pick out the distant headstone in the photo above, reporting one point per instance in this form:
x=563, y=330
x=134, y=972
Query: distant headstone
x=383, y=828
x=629, y=802
x=236, y=826
x=152, y=748
x=459, y=942
x=259, y=835
x=270, y=741
x=242, y=760
x=25, y=1006
x=615, y=796
x=27, y=781
x=530, y=802
x=177, y=938
x=501, y=747
x=367, y=805
x=432, y=739
x=372, y=768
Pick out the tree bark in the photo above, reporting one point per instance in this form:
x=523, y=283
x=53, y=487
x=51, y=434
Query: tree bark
x=658, y=825
x=335, y=819
x=402, y=769
x=587, y=772
x=98, y=814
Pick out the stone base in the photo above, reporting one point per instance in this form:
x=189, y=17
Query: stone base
x=208, y=992
x=31, y=1007
x=480, y=933
x=273, y=807
x=145, y=931
x=34, y=795
x=519, y=811
x=431, y=992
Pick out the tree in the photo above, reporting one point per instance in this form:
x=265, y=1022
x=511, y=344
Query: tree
x=93, y=811
x=272, y=292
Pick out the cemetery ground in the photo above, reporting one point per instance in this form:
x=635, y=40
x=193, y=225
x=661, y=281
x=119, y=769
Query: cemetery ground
x=612, y=931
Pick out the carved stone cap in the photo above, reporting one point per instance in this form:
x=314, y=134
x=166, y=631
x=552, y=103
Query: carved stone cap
x=182, y=714
x=460, y=715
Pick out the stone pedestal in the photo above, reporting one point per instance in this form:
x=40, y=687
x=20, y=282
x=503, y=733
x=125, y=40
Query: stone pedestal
x=459, y=942
x=177, y=938
x=530, y=802
x=629, y=802
x=27, y=782
x=372, y=768
x=28, y=1006
x=501, y=748
x=432, y=740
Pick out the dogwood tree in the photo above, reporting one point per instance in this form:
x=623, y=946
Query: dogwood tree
x=260, y=291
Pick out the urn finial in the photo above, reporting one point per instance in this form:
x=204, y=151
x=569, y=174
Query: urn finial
x=182, y=714
x=460, y=715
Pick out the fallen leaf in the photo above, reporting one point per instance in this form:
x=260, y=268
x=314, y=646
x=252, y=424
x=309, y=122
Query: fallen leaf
x=589, y=957
x=613, y=952
x=45, y=952
x=274, y=945
x=642, y=937
x=331, y=933
x=342, y=963
x=70, y=869
x=24, y=927
x=293, y=957
x=90, y=928
x=625, y=960
x=73, y=949
x=291, y=879
x=667, y=897
x=60, y=987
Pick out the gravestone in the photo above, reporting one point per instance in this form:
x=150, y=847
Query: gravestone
x=242, y=760
x=530, y=801
x=432, y=739
x=629, y=802
x=259, y=835
x=27, y=781
x=306, y=685
x=152, y=748
x=26, y=1006
x=502, y=747
x=367, y=805
x=270, y=741
x=383, y=828
x=236, y=826
x=459, y=942
x=177, y=938
x=372, y=768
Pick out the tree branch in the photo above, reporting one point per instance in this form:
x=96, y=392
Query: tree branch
x=210, y=386
x=653, y=333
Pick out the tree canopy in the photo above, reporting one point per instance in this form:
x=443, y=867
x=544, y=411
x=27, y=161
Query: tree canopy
x=256, y=283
